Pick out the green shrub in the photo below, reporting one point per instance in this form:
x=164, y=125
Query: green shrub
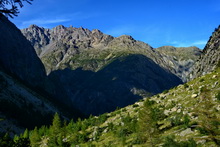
x=218, y=96
x=186, y=85
x=204, y=89
x=135, y=105
x=202, y=80
x=218, y=64
x=165, y=91
x=170, y=142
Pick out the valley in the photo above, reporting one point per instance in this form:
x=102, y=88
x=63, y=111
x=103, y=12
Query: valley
x=69, y=86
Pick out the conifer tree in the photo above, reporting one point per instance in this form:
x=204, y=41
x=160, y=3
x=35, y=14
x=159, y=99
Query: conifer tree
x=56, y=125
x=35, y=138
x=26, y=134
x=55, y=131
x=147, y=125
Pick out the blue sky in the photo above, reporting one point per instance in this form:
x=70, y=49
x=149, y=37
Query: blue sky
x=156, y=22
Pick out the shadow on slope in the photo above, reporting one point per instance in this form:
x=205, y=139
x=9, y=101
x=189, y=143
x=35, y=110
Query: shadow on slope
x=116, y=85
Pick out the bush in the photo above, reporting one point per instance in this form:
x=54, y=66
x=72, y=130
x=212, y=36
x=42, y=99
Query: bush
x=201, y=80
x=135, y=105
x=170, y=142
x=218, y=96
x=218, y=64
x=186, y=85
x=204, y=89
x=165, y=91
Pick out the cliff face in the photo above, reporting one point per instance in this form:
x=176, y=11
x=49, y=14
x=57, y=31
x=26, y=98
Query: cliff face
x=180, y=60
x=210, y=57
x=17, y=56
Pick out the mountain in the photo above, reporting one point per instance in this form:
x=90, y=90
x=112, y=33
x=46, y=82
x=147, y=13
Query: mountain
x=120, y=83
x=187, y=115
x=210, y=57
x=68, y=47
x=23, y=103
x=17, y=56
x=97, y=73
x=180, y=59
x=21, y=107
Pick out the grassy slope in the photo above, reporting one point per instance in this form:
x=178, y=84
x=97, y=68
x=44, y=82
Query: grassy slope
x=183, y=116
x=186, y=100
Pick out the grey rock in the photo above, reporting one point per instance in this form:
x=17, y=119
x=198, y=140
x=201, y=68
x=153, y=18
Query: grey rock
x=210, y=57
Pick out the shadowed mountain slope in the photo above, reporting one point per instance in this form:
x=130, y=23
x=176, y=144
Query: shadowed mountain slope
x=120, y=83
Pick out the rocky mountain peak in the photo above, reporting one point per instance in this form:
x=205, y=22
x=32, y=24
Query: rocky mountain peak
x=64, y=44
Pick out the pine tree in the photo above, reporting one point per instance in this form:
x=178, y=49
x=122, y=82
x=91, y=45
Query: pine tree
x=147, y=125
x=55, y=131
x=56, y=125
x=35, y=138
x=26, y=134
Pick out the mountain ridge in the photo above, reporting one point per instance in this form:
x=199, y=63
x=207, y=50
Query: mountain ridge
x=92, y=50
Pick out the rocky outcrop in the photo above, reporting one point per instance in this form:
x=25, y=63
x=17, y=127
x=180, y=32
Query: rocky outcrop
x=210, y=57
x=180, y=59
x=17, y=56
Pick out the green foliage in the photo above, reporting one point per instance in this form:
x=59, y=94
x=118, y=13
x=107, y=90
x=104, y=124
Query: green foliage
x=218, y=96
x=135, y=105
x=170, y=142
x=165, y=91
x=204, y=89
x=22, y=142
x=34, y=138
x=208, y=120
x=6, y=141
x=147, y=124
x=26, y=134
x=185, y=85
x=201, y=80
x=218, y=64
x=56, y=125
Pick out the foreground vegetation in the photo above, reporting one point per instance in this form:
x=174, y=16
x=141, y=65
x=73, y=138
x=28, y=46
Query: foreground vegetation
x=187, y=115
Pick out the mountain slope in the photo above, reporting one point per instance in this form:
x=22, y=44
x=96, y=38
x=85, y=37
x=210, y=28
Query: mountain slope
x=180, y=59
x=22, y=78
x=17, y=56
x=118, y=71
x=68, y=47
x=122, y=82
x=187, y=115
x=21, y=107
x=210, y=57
